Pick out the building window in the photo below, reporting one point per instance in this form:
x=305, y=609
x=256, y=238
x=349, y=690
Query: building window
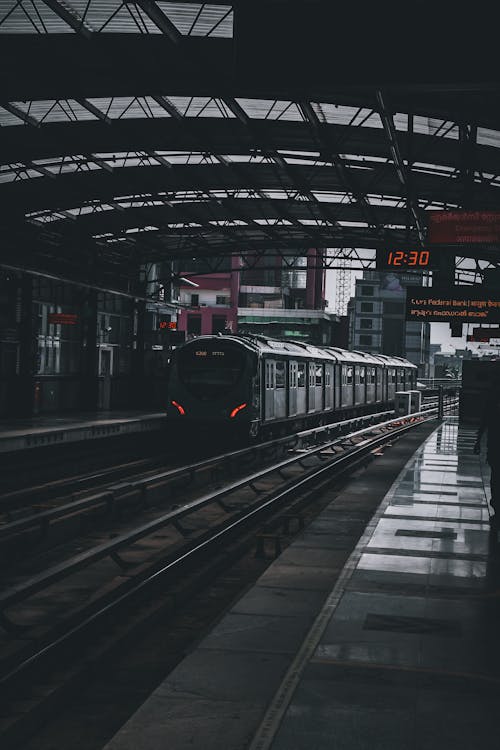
x=194, y=324
x=221, y=300
x=367, y=291
x=366, y=323
x=365, y=340
x=195, y=300
x=367, y=307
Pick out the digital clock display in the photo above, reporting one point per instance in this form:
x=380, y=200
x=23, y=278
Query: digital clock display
x=392, y=259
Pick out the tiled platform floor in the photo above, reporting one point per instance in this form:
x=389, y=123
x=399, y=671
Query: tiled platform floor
x=19, y=434
x=405, y=650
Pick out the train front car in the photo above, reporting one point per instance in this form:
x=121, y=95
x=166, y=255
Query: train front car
x=213, y=385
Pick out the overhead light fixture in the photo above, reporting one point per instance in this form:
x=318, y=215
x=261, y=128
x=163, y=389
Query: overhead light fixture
x=188, y=281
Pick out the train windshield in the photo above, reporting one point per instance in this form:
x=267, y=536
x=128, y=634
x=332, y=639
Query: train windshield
x=210, y=370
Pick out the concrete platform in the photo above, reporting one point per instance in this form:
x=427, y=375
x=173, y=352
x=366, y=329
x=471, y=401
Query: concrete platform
x=20, y=434
x=393, y=646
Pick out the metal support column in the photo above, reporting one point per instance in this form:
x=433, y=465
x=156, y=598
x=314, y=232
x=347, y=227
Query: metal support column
x=138, y=395
x=89, y=385
x=27, y=349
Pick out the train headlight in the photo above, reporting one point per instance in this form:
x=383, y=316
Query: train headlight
x=236, y=410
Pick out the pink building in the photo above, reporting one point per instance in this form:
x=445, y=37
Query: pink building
x=213, y=304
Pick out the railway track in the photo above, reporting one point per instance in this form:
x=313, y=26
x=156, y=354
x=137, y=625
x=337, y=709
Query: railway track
x=74, y=604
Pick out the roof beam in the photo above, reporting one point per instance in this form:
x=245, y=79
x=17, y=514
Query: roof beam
x=159, y=18
x=468, y=141
x=94, y=110
x=70, y=17
x=237, y=110
x=28, y=119
x=168, y=107
x=402, y=171
x=344, y=174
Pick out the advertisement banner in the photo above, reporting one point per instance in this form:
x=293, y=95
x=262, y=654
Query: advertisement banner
x=463, y=227
x=459, y=304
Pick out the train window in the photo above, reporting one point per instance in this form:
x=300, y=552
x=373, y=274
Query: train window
x=312, y=376
x=328, y=376
x=349, y=376
x=362, y=375
x=269, y=374
x=280, y=374
x=301, y=375
x=319, y=375
x=208, y=371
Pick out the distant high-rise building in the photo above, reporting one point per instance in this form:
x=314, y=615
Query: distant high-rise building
x=377, y=318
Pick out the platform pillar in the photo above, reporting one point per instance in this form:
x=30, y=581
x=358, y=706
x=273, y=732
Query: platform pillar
x=89, y=387
x=138, y=396
x=27, y=350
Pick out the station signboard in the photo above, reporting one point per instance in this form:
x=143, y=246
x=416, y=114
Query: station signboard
x=459, y=304
x=463, y=227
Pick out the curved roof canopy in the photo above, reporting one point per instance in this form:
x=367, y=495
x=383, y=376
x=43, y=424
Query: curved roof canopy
x=134, y=132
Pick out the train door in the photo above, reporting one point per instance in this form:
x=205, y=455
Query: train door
x=269, y=386
x=337, y=369
x=311, y=389
x=301, y=388
x=292, y=389
x=328, y=386
x=280, y=389
x=319, y=387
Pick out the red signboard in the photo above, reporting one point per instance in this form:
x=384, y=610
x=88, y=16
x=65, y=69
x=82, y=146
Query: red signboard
x=484, y=334
x=168, y=325
x=464, y=227
x=63, y=319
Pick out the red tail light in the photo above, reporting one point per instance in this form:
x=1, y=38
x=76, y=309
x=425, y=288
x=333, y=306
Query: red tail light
x=180, y=408
x=236, y=410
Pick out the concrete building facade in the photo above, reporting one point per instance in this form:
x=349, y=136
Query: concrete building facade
x=377, y=319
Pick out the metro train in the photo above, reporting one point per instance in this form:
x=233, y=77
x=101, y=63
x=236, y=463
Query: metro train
x=259, y=386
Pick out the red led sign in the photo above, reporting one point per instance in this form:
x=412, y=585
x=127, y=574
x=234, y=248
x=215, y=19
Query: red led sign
x=400, y=259
x=63, y=319
x=483, y=335
x=463, y=227
x=459, y=304
x=167, y=325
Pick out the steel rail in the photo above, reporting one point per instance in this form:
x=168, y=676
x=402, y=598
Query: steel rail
x=263, y=508
x=52, y=575
x=112, y=493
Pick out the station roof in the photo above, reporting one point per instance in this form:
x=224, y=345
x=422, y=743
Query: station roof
x=135, y=132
